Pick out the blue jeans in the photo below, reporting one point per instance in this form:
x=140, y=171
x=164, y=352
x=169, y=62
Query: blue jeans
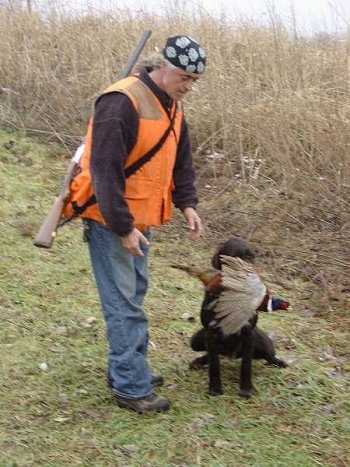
x=122, y=281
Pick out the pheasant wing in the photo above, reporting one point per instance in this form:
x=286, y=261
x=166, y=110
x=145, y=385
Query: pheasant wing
x=243, y=291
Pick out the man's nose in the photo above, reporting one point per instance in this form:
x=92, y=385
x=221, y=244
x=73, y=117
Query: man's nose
x=189, y=85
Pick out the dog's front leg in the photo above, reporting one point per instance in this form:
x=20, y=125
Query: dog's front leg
x=245, y=381
x=215, y=387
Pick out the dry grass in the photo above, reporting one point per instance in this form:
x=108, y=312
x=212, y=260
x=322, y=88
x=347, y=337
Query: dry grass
x=271, y=135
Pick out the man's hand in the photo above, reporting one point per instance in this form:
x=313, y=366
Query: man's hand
x=132, y=242
x=194, y=223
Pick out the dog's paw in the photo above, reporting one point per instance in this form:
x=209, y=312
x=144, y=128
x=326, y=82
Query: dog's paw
x=245, y=393
x=215, y=391
x=276, y=362
x=280, y=363
x=197, y=365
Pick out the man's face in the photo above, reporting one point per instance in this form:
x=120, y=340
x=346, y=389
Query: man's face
x=177, y=82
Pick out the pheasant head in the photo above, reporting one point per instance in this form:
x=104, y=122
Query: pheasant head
x=271, y=303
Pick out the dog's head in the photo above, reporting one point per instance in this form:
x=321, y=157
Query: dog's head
x=234, y=246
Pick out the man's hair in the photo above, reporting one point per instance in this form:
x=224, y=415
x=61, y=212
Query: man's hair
x=151, y=62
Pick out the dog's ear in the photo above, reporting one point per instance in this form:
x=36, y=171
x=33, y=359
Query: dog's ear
x=234, y=246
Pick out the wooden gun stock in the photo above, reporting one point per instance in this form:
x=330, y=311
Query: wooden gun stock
x=48, y=229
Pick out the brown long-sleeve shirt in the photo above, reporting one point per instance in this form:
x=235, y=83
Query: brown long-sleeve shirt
x=114, y=134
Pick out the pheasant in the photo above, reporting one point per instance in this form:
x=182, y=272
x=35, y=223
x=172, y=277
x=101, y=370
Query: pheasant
x=237, y=292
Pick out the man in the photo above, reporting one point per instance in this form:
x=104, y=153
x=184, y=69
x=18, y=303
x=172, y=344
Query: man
x=138, y=115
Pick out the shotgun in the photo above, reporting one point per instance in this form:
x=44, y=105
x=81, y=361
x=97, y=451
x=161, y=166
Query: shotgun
x=48, y=229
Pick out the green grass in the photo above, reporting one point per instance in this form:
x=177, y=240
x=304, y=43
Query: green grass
x=66, y=416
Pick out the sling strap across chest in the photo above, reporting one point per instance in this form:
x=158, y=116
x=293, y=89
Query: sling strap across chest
x=131, y=169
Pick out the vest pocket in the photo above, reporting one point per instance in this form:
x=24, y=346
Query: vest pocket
x=140, y=188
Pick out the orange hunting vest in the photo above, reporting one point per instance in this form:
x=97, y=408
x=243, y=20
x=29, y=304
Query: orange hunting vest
x=148, y=191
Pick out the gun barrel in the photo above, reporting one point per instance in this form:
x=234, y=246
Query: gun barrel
x=135, y=55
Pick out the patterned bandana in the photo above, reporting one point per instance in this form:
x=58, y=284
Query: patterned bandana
x=185, y=52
